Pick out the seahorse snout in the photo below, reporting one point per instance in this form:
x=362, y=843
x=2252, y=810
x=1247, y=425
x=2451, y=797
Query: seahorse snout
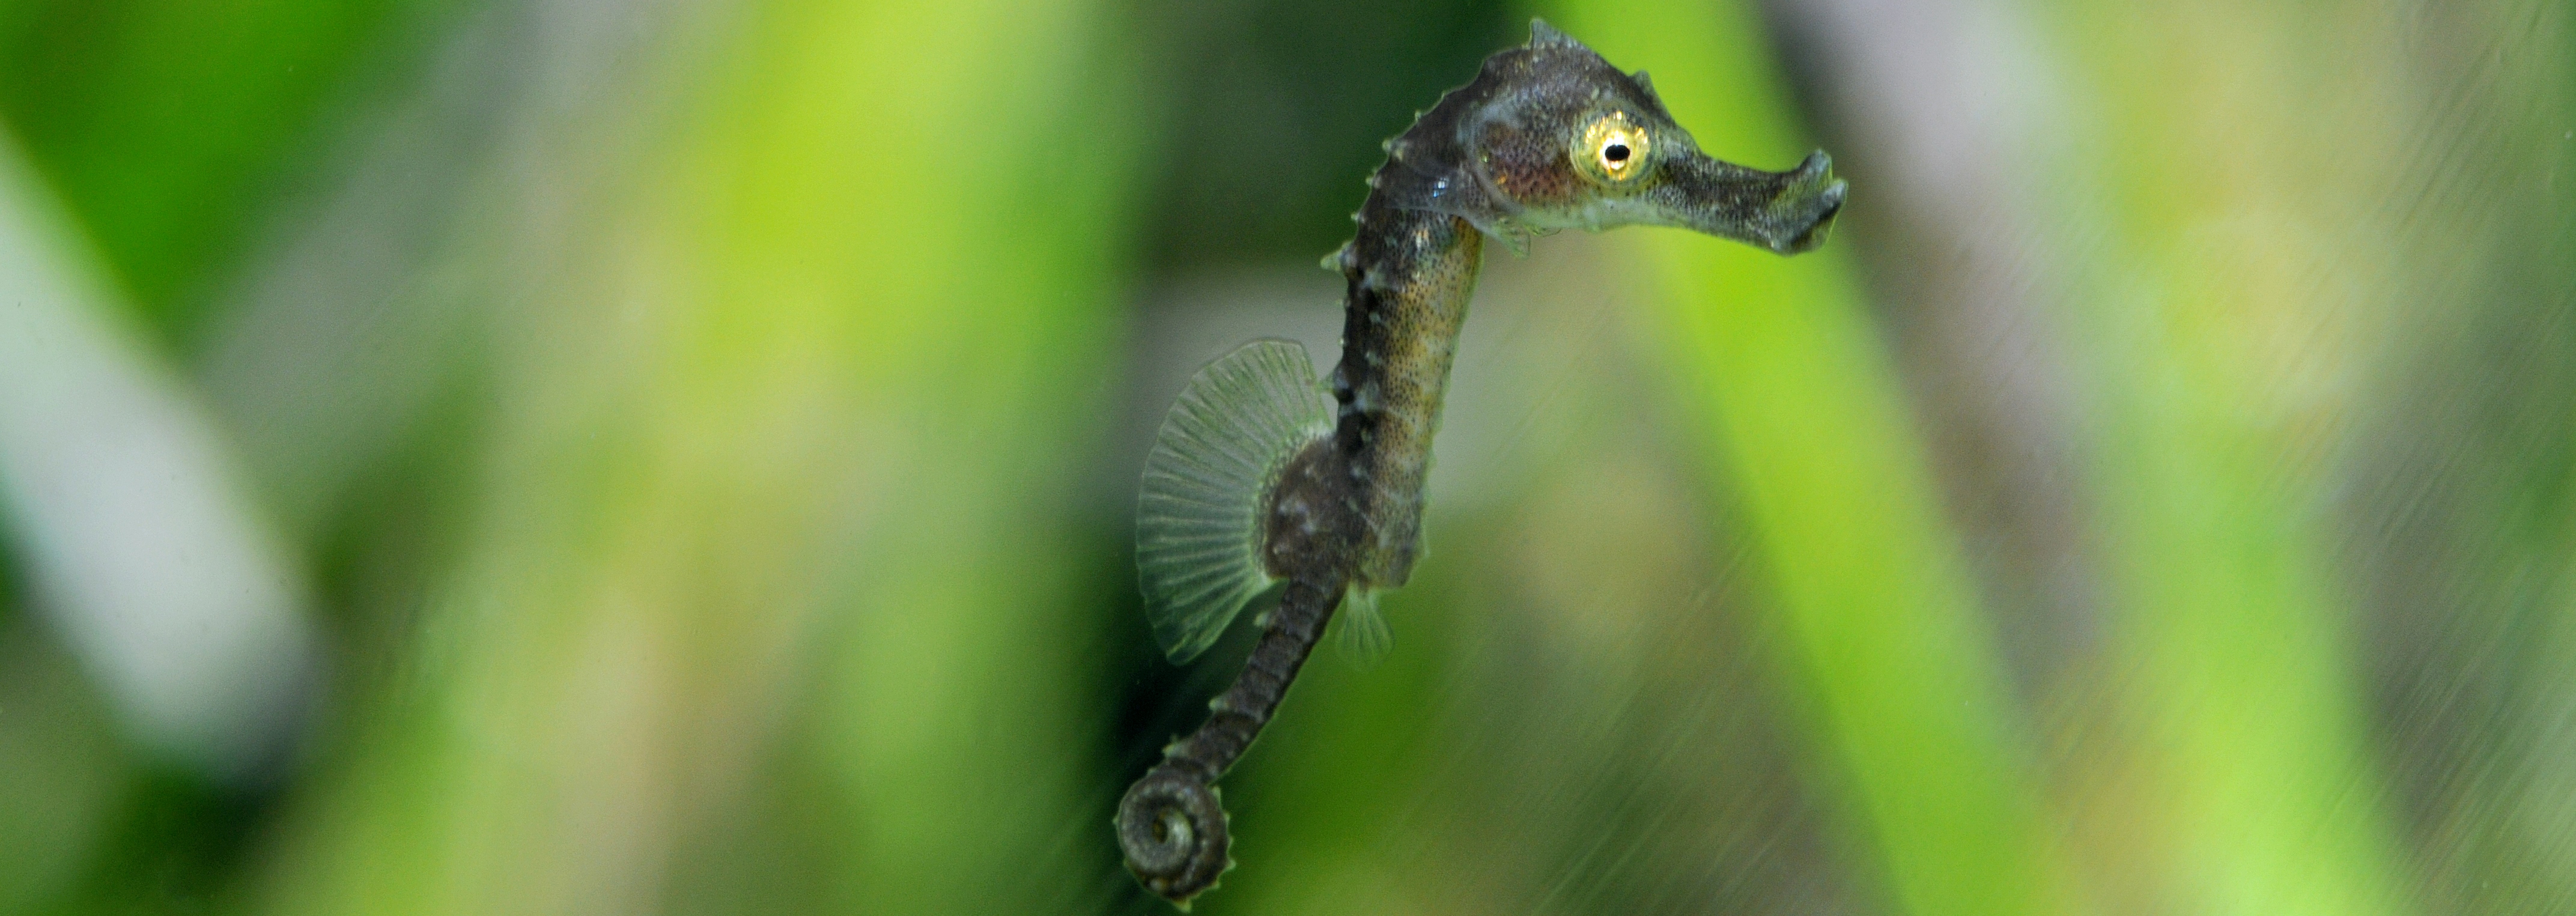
x=1805, y=210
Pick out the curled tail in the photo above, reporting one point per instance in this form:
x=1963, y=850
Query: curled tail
x=1173, y=830
x=1240, y=493
x=1171, y=825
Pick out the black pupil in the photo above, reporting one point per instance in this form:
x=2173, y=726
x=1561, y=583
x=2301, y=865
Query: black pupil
x=1616, y=152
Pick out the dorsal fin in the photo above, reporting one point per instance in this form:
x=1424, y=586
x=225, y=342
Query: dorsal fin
x=1543, y=35
x=1198, y=515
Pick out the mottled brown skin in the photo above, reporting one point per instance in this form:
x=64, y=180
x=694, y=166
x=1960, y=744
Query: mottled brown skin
x=1523, y=149
x=1399, y=335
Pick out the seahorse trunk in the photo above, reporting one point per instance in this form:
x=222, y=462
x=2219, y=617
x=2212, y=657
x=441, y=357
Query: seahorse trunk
x=1410, y=275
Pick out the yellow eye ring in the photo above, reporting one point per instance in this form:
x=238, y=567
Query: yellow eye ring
x=1613, y=149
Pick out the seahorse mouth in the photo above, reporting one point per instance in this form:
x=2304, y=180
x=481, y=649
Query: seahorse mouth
x=1819, y=212
x=1785, y=212
x=1808, y=204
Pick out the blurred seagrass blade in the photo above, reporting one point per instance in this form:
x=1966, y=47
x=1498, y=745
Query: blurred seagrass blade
x=2230, y=298
x=809, y=310
x=169, y=127
x=2464, y=545
x=2063, y=237
x=357, y=314
x=1798, y=409
x=119, y=496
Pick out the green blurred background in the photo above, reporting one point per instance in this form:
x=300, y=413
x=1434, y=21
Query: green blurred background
x=567, y=456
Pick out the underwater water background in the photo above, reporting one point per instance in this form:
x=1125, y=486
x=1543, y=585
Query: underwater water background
x=564, y=456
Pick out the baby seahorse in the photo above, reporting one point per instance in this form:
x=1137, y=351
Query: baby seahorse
x=1257, y=478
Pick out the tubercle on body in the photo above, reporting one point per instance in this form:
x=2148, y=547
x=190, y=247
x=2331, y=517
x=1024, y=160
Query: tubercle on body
x=1548, y=136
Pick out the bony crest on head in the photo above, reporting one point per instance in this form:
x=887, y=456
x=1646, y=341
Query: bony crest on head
x=1614, y=150
x=1543, y=35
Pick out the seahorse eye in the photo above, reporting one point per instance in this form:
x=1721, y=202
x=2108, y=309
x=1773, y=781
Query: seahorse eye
x=1613, y=149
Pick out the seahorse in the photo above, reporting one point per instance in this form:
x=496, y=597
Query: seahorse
x=1261, y=475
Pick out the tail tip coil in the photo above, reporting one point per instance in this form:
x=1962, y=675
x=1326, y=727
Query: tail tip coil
x=1173, y=831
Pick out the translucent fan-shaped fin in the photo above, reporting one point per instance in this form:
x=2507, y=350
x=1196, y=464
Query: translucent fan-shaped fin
x=1359, y=628
x=1198, y=515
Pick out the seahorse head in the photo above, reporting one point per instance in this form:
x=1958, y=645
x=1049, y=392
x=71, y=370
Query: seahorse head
x=1551, y=136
